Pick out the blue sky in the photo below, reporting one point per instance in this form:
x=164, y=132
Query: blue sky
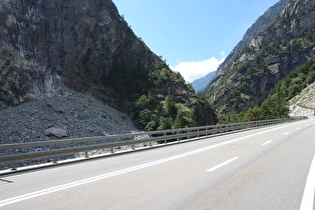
x=193, y=37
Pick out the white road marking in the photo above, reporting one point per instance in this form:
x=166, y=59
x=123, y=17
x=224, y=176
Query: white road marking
x=222, y=164
x=308, y=196
x=298, y=128
x=286, y=133
x=123, y=171
x=266, y=143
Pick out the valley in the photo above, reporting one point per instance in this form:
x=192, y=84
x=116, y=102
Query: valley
x=50, y=79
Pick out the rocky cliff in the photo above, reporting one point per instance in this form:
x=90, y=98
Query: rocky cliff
x=286, y=44
x=260, y=24
x=57, y=48
x=54, y=47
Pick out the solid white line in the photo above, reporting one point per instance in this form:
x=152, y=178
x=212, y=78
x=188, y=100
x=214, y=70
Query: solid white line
x=308, y=196
x=222, y=164
x=123, y=171
x=286, y=133
x=266, y=143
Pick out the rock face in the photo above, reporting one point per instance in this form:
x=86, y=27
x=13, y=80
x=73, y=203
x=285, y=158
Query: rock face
x=58, y=48
x=53, y=47
x=272, y=54
x=260, y=24
x=304, y=103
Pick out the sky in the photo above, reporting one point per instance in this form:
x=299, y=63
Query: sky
x=194, y=37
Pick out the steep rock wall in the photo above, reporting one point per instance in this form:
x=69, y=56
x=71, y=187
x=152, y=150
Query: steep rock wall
x=56, y=48
x=270, y=56
x=50, y=47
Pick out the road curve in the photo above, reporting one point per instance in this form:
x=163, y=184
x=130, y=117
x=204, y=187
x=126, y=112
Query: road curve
x=265, y=168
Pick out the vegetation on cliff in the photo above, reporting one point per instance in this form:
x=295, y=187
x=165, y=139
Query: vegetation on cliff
x=285, y=45
x=260, y=24
x=276, y=104
x=179, y=108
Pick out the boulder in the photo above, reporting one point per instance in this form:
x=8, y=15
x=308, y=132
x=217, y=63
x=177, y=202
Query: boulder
x=58, y=132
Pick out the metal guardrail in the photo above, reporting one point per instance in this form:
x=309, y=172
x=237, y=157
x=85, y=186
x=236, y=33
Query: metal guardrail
x=69, y=146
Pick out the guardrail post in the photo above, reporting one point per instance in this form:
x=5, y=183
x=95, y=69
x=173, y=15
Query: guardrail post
x=87, y=154
x=165, y=139
x=112, y=150
x=13, y=168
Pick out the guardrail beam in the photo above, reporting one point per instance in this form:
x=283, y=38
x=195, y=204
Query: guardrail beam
x=112, y=142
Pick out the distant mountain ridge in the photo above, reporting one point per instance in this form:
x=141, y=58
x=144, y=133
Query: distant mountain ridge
x=260, y=24
x=285, y=45
x=200, y=84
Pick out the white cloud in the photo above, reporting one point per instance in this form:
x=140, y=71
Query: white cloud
x=197, y=69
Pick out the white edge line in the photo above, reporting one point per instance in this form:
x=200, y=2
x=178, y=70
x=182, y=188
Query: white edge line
x=308, y=195
x=266, y=143
x=222, y=164
x=123, y=171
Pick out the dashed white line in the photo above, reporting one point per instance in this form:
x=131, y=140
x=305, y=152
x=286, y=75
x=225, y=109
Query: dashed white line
x=119, y=172
x=298, y=128
x=266, y=143
x=221, y=165
x=286, y=133
x=308, y=196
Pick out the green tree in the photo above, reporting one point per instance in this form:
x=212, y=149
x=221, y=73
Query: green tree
x=253, y=114
x=165, y=123
x=179, y=120
x=170, y=107
x=280, y=109
x=144, y=102
x=266, y=109
x=310, y=78
x=145, y=116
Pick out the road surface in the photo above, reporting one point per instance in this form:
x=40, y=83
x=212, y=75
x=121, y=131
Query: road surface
x=265, y=168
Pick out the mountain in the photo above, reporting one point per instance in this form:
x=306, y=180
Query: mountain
x=58, y=48
x=260, y=24
x=200, y=84
x=285, y=45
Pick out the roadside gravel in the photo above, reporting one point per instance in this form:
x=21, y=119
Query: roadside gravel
x=77, y=114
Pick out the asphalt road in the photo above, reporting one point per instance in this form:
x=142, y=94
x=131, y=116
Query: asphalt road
x=266, y=168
